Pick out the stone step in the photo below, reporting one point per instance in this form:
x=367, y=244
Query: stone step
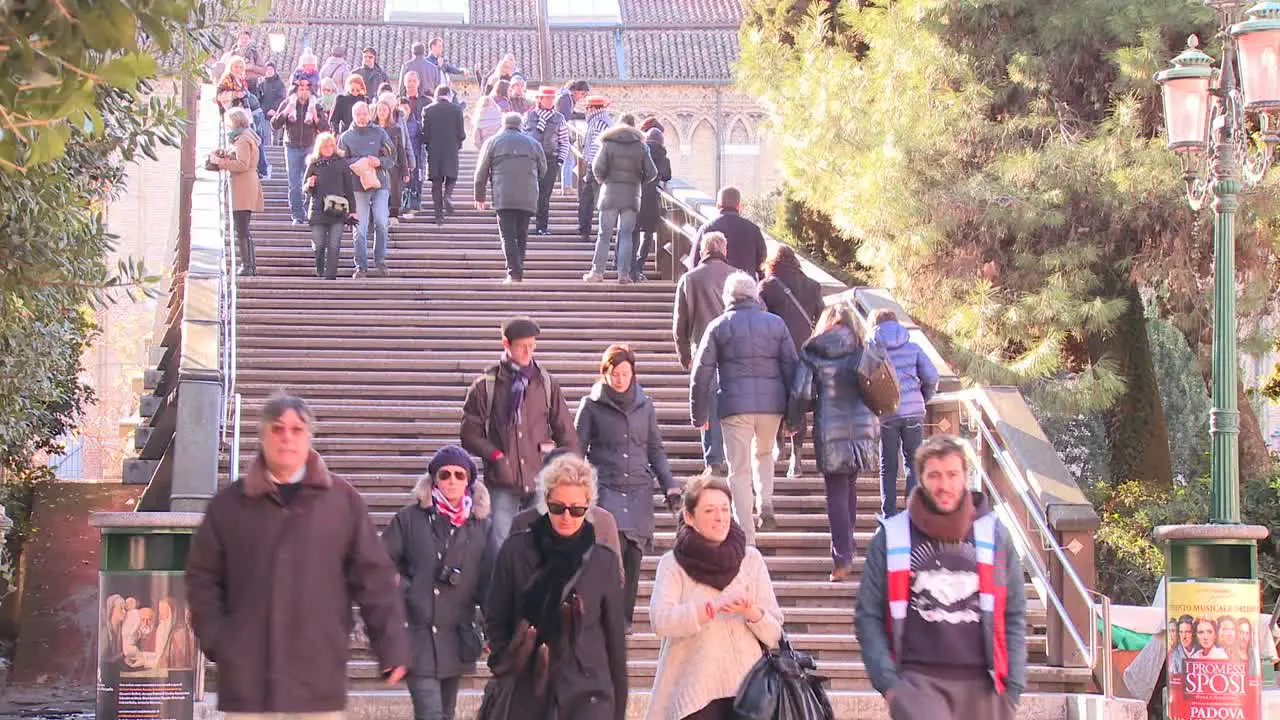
x=578, y=289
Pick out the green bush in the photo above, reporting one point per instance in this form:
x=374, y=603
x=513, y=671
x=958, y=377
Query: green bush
x=1130, y=565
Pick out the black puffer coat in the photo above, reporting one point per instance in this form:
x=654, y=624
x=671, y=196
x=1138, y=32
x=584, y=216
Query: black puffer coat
x=625, y=447
x=844, y=428
x=444, y=639
x=333, y=177
x=752, y=351
x=650, y=217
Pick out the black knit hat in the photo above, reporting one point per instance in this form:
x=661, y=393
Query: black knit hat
x=519, y=328
x=452, y=455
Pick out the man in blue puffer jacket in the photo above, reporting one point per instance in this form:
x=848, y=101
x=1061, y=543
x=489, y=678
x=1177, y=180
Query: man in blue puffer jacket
x=902, y=431
x=755, y=357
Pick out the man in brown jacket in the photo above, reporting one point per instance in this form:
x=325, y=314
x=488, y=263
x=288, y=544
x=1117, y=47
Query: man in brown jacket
x=513, y=415
x=273, y=571
x=699, y=300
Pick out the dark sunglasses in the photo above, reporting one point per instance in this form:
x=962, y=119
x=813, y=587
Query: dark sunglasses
x=455, y=474
x=556, y=508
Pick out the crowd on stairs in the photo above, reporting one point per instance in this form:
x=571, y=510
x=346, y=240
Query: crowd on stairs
x=545, y=545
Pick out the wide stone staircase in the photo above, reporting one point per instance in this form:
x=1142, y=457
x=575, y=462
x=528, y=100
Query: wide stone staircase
x=385, y=363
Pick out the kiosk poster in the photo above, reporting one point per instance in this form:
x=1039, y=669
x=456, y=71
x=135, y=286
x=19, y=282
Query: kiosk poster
x=1214, y=672
x=147, y=654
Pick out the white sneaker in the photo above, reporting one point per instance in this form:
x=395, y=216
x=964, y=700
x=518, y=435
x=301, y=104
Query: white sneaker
x=593, y=277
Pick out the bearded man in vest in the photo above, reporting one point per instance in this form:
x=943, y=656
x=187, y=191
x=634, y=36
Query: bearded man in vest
x=941, y=610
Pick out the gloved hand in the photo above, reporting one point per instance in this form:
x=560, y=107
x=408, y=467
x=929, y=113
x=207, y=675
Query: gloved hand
x=674, y=498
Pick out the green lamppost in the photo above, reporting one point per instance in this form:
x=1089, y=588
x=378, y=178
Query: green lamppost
x=1219, y=123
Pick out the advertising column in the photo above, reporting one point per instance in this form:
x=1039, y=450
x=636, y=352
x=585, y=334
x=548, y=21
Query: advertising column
x=148, y=660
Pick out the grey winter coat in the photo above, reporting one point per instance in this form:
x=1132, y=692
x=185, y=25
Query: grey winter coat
x=844, y=428
x=443, y=131
x=336, y=68
x=373, y=78
x=752, y=351
x=369, y=141
x=625, y=448
x=513, y=162
x=872, y=612
x=622, y=167
x=442, y=633
x=917, y=377
x=699, y=300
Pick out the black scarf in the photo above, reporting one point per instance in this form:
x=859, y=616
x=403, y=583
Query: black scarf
x=520, y=377
x=559, y=558
x=624, y=400
x=714, y=565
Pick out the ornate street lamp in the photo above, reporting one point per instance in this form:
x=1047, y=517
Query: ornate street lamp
x=1220, y=125
x=276, y=38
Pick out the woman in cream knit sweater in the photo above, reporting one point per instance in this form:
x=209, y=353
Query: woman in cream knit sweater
x=712, y=605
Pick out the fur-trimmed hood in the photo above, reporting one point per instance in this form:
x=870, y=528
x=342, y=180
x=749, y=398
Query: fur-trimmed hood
x=622, y=134
x=481, y=504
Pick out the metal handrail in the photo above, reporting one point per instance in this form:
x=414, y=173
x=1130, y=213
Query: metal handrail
x=230, y=337
x=1101, y=608
x=233, y=458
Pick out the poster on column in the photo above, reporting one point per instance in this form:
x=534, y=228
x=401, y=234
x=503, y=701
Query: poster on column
x=1214, y=671
x=147, y=654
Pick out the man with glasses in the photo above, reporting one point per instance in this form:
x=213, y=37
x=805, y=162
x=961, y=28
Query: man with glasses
x=514, y=414
x=278, y=561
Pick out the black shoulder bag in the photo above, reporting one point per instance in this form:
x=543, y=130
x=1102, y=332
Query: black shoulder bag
x=782, y=686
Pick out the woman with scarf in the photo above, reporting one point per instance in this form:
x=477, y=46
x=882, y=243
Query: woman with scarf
x=246, y=188
x=554, y=613
x=618, y=431
x=844, y=428
x=713, y=606
x=400, y=167
x=438, y=545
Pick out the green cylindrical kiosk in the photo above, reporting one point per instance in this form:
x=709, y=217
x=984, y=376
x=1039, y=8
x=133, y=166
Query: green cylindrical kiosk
x=1213, y=598
x=148, y=660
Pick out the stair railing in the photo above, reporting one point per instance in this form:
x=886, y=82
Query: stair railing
x=1039, y=501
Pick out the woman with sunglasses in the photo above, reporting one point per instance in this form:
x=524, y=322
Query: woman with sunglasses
x=554, y=612
x=618, y=430
x=438, y=546
x=713, y=606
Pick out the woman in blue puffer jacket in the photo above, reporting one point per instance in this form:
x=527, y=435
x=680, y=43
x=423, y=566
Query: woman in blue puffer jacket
x=844, y=428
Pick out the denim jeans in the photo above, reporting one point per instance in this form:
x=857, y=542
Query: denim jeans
x=372, y=207
x=326, y=240
x=506, y=504
x=899, y=437
x=433, y=699
x=262, y=127
x=623, y=222
x=713, y=436
x=513, y=227
x=296, y=162
x=842, y=509
x=749, y=441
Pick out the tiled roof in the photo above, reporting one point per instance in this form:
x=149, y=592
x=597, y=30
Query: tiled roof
x=503, y=12
x=590, y=54
x=464, y=46
x=680, y=54
x=682, y=12
x=296, y=10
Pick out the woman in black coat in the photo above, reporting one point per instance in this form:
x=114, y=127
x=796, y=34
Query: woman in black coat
x=439, y=547
x=796, y=298
x=650, y=217
x=618, y=431
x=327, y=174
x=844, y=428
x=554, y=612
x=340, y=120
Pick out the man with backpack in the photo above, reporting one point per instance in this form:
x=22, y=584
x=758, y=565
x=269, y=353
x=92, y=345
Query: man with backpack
x=514, y=414
x=901, y=430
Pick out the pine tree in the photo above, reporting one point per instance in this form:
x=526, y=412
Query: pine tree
x=999, y=164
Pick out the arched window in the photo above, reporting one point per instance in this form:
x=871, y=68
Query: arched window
x=433, y=11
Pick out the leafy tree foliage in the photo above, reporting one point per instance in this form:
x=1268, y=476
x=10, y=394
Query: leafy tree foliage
x=75, y=106
x=998, y=164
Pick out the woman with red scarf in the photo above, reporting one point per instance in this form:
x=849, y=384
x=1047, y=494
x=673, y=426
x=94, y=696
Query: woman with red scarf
x=438, y=545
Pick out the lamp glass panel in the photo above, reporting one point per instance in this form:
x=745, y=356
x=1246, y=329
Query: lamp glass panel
x=1260, y=66
x=1186, y=110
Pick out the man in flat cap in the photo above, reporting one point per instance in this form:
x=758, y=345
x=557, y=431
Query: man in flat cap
x=515, y=413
